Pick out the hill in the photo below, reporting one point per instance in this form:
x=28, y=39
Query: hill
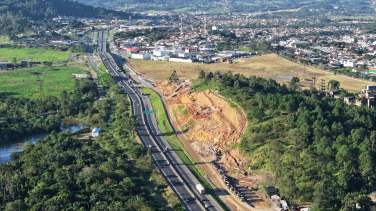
x=17, y=16
x=44, y=9
x=319, y=149
x=217, y=6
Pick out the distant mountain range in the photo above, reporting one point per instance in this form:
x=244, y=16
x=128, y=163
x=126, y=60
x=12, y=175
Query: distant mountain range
x=218, y=6
x=42, y=9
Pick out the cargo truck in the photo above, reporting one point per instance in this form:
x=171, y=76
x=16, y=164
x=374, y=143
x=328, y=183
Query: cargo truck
x=200, y=189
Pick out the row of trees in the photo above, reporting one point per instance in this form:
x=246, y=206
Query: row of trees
x=320, y=149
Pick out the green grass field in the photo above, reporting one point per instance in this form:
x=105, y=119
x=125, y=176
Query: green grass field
x=177, y=146
x=34, y=54
x=4, y=39
x=23, y=83
x=102, y=67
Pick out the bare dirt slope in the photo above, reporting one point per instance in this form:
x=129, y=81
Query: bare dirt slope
x=213, y=129
x=205, y=117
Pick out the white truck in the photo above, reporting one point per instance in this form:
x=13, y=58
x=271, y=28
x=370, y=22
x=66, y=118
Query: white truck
x=200, y=189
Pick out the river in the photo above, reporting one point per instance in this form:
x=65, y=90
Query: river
x=18, y=145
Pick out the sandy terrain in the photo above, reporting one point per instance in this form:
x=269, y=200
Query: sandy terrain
x=267, y=66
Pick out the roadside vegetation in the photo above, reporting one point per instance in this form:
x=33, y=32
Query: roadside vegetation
x=320, y=149
x=102, y=67
x=177, y=146
x=156, y=180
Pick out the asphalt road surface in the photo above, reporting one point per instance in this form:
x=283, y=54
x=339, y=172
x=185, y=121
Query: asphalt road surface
x=177, y=175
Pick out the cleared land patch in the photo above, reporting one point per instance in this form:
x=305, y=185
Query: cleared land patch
x=268, y=66
x=23, y=82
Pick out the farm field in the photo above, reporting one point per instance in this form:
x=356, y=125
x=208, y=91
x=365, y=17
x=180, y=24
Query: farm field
x=23, y=83
x=267, y=66
x=34, y=54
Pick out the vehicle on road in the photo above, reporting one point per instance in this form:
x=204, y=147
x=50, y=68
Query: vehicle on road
x=200, y=189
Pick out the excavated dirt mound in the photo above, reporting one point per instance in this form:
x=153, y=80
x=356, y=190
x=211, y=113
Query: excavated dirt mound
x=214, y=129
x=206, y=118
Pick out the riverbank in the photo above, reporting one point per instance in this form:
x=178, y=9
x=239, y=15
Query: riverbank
x=17, y=145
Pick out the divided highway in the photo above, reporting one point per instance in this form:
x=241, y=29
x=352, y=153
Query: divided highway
x=177, y=175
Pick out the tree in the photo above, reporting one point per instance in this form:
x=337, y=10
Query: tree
x=335, y=84
x=14, y=62
x=201, y=74
x=16, y=205
x=209, y=76
x=293, y=83
x=364, y=202
x=174, y=76
x=258, y=114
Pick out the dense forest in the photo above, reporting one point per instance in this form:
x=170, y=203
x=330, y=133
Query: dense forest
x=22, y=114
x=320, y=150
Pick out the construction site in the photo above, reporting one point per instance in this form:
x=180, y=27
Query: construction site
x=213, y=129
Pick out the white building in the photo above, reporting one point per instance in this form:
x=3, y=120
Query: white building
x=160, y=53
x=349, y=63
x=140, y=56
x=348, y=39
x=180, y=60
x=214, y=28
x=95, y=132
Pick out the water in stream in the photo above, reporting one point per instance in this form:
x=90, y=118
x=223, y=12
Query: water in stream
x=17, y=145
